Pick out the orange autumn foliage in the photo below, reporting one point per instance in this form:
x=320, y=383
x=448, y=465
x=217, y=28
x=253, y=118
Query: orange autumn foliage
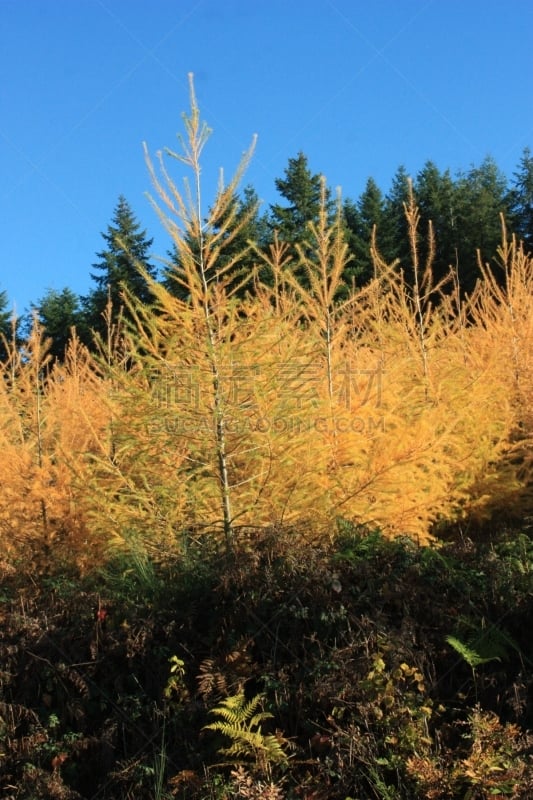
x=393, y=405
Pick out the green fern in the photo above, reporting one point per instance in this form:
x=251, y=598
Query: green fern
x=472, y=657
x=241, y=721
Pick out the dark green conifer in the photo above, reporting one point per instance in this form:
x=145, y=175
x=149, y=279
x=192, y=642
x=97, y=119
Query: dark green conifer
x=59, y=312
x=520, y=200
x=119, y=269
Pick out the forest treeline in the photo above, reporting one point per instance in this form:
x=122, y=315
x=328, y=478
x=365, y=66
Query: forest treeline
x=252, y=386
x=265, y=520
x=464, y=211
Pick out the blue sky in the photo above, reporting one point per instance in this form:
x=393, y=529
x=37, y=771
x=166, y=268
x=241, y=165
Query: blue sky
x=359, y=87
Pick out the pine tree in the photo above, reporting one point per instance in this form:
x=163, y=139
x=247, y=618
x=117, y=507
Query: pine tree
x=302, y=191
x=360, y=218
x=394, y=238
x=435, y=196
x=120, y=268
x=6, y=327
x=520, y=200
x=250, y=229
x=481, y=199
x=59, y=313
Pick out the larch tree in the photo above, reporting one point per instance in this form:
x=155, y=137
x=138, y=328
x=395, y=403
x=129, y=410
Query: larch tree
x=240, y=226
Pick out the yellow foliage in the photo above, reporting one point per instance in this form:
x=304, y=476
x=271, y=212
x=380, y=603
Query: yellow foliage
x=394, y=405
x=51, y=416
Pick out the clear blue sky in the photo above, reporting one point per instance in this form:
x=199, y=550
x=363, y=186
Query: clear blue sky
x=360, y=87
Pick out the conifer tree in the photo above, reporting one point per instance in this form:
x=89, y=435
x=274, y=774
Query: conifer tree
x=241, y=227
x=302, y=191
x=5, y=325
x=250, y=228
x=436, y=200
x=361, y=217
x=481, y=199
x=194, y=334
x=520, y=200
x=215, y=378
x=59, y=314
x=120, y=268
x=394, y=236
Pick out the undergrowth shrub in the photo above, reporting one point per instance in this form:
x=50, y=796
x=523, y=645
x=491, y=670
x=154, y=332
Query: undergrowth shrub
x=106, y=687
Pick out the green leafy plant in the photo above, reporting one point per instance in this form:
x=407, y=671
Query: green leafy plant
x=472, y=657
x=397, y=704
x=176, y=691
x=490, y=645
x=241, y=720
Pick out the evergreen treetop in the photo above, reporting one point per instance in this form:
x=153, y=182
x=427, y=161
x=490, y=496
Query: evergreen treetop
x=6, y=325
x=520, y=200
x=58, y=312
x=302, y=190
x=120, y=268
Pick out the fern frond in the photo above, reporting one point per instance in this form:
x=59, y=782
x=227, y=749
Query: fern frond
x=471, y=656
x=241, y=723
